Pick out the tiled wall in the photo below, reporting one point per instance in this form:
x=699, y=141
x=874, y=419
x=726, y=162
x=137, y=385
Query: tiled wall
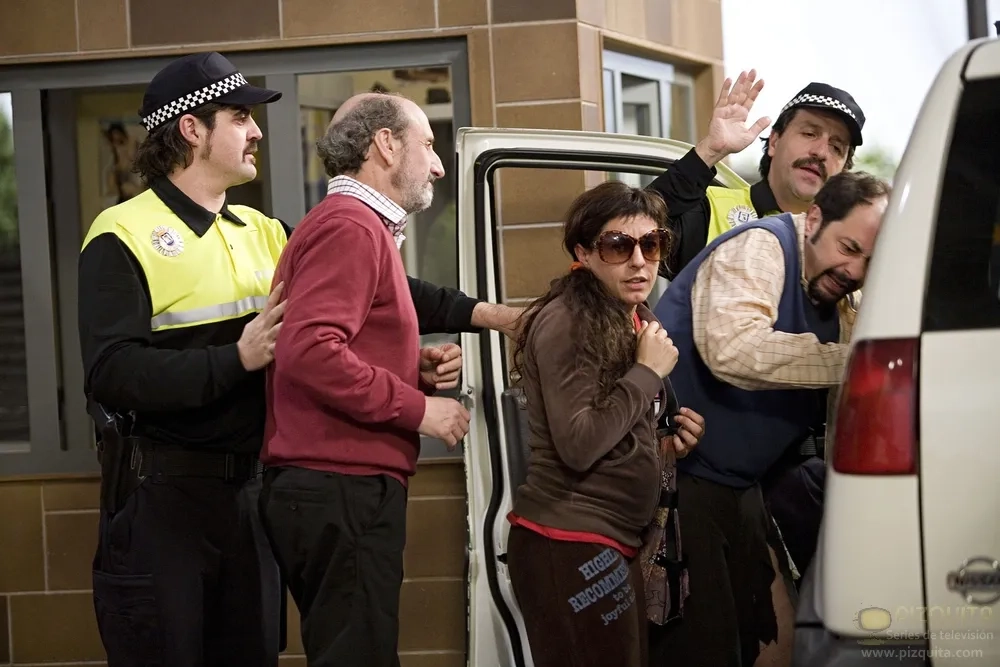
x=48, y=532
x=532, y=63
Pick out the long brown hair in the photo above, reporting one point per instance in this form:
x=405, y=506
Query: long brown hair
x=603, y=330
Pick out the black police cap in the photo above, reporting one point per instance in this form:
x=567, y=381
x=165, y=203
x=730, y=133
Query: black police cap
x=824, y=96
x=195, y=80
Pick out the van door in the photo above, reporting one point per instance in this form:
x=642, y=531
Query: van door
x=504, y=178
x=959, y=460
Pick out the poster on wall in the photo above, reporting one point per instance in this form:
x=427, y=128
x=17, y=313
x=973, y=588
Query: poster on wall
x=120, y=139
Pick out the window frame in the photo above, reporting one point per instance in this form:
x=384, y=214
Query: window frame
x=61, y=433
x=616, y=63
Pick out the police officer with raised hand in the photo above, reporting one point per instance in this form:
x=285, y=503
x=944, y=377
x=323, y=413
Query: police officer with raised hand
x=813, y=138
x=177, y=319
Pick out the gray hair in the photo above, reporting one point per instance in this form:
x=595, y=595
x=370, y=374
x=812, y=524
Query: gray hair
x=344, y=146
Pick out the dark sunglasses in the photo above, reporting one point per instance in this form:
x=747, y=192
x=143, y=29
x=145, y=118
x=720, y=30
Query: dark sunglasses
x=618, y=247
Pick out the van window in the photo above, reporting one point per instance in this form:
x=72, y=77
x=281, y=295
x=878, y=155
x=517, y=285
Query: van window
x=964, y=287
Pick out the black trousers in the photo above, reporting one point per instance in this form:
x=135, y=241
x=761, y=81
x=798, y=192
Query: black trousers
x=184, y=577
x=793, y=492
x=339, y=541
x=729, y=613
x=583, y=603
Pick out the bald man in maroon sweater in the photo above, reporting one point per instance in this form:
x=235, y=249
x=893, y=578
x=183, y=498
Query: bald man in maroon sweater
x=349, y=393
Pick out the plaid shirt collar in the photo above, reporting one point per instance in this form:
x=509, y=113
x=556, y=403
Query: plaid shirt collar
x=391, y=213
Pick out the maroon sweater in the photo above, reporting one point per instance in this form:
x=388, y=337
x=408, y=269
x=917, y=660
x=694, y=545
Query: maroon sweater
x=343, y=393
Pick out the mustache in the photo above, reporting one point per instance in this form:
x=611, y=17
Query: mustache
x=818, y=164
x=251, y=149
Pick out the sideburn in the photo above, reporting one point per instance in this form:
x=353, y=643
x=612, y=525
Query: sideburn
x=207, y=151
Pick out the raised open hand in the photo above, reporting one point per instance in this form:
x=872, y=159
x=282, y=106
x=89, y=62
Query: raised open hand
x=727, y=131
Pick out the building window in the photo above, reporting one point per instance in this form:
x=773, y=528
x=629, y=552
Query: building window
x=647, y=98
x=68, y=133
x=14, y=428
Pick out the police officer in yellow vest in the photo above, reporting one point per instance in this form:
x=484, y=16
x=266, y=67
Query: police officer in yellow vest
x=175, y=324
x=813, y=138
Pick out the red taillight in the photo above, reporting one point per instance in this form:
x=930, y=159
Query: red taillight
x=876, y=427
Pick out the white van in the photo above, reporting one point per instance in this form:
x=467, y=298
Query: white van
x=907, y=569
x=495, y=449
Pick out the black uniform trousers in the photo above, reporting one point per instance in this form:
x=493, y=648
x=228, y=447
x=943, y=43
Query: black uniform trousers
x=339, y=541
x=730, y=612
x=184, y=577
x=793, y=492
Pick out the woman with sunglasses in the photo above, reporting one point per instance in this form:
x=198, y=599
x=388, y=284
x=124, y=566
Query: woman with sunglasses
x=592, y=361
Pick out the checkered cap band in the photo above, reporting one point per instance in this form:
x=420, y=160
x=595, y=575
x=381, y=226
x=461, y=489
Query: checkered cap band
x=192, y=100
x=821, y=99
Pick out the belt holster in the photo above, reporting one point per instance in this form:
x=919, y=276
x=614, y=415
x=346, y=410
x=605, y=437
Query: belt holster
x=117, y=452
x=119, y=457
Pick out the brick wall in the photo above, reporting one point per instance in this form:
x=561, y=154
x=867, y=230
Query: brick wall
x=48, y=533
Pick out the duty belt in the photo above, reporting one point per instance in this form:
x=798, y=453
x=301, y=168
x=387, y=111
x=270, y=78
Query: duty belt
x=169, y=461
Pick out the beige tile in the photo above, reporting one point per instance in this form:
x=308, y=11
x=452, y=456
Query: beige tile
x=659, y=21
x=22, y=563
x=37, y=26
x=707, y=84
x=462, y=12
x=432, y=615
x=627, y=17
x=532, y=258
x=54, y=628
x=4, y=632
x=302, y=18
x=438, y=479
x=84, y=495
x=480, y=78
x=294, y=629
x=591, y=74
x=103, y=24
x=593, y=12
x=697, y=26
x=155, y=22
x=539, y=62
x=536, y=195
x=554, y=116
x=522, y=11
x=71, y=540
x=593, y=121
x=438, y=659
x=435, y=538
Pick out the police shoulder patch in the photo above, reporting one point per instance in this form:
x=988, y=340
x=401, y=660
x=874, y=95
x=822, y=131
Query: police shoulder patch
x=167, y=241
x=739, y=214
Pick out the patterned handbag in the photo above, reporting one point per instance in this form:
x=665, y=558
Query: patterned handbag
x=664, y=568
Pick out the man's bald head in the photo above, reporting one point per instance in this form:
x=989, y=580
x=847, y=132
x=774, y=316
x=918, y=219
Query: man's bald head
x=348, y=138
x=352, y=103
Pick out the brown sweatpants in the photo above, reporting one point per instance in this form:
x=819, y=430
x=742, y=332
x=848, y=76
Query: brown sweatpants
x=582, y=603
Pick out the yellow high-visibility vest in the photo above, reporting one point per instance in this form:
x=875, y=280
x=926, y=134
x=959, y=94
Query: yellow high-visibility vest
x=730, y=207
x=195, y=280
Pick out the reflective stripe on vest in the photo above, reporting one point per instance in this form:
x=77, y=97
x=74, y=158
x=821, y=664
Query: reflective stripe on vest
x=194, y=280
x=221, y=311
